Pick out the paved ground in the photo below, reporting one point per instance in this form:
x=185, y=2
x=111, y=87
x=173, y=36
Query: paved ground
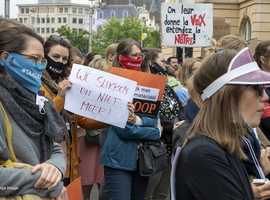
x=94, y=193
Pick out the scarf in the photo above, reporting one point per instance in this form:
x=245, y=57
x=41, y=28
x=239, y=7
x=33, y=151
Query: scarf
x=68, y=117
x=21, y=104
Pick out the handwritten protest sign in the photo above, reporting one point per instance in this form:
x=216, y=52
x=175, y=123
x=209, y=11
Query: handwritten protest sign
x=99, y=95
x=149, y=90
x=186, y=25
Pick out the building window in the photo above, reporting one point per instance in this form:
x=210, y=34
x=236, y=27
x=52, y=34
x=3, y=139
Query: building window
x=48, y=20
x=38, y=20
x=26, y=10
x=66, y=9
x=74, y=29
x=42, y=30
x=20, y=20
x=247, y=33
x=86, y=11
x=112, y=14
x=125, y=13
x=74, y=10
x=22, y=10
x=59, y=20
x=64, y=20
x=61, y=10
x=52, y=30
x=74, y=20
x=80, y=11
x=38, y=30
x=52, y=20
x=100, y=15
x=80, y=30
x=80, y=21
x=42, y=20
x=47, y=30
x=25, y=20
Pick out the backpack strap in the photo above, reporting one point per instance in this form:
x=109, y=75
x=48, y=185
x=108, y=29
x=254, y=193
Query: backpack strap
x=9, y=136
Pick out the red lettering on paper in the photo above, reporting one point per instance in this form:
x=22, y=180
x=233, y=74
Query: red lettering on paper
x=199, y=21
x=183, y=39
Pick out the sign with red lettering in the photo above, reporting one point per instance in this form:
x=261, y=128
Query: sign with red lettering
x=186, y=25
x=149, y=90
x=99, y=95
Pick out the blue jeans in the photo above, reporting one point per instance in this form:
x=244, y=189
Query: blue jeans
x=125, y=185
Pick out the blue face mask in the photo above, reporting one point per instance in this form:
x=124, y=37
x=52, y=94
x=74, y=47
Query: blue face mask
x=24, y=71
x=190, y=74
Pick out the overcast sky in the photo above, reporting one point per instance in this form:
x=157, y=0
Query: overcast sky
x=14, y=8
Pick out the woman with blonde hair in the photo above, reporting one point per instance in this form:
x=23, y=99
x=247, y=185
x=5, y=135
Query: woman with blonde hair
x=227, y=42
x=110, y=55
x=233, y=103
x=187, y=70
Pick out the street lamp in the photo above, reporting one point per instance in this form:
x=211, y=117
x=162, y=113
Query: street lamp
x=91, y=12
x=143, y=35
x=32, y=17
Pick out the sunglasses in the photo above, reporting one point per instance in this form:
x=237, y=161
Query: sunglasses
x=258, y=88
x=58, y=38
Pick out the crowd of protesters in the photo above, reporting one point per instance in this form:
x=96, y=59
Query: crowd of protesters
x=215, y=108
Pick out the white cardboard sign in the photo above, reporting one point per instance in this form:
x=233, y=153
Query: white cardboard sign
x=186, y=25
x=99, y=95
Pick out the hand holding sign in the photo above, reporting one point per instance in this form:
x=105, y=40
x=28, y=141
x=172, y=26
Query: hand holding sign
x=99, y=95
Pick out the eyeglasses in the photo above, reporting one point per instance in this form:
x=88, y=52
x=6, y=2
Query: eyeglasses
x=58, y=38
x=258, y=88
x=36, y=59
x=137, y=55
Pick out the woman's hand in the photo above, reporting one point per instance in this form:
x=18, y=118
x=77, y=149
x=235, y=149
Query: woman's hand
x=131, y=116
x=264, y=162
x=50, y=176
x=63, y=195
x=63, y=87
x=261, y=191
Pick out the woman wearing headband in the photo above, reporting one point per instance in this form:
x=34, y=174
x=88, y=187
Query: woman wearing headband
x=58, y=52
x=209, y=166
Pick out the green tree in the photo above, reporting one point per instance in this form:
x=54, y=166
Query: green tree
x=114, y=30
x=77, y=39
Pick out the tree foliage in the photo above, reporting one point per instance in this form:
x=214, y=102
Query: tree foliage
x=77, y=39
x=114, y=30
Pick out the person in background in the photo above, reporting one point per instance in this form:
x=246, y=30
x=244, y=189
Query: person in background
x=261, y=56
x=189, y=67
x=171, y=78
x=91, y=56
x=36, y=126
x=119, y=152
x=110, y=55
x=171, y=115
x=173, y=62
x=58, y=52
x=77, y=55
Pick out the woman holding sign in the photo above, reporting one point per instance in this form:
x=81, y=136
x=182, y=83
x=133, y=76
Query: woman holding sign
x=55, y=84
x=119, y=153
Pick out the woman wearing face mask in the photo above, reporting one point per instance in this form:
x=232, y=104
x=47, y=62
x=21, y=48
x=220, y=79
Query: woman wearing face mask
x=171, y=116
x=119, y=153
x=36, y=126
x=57, y=51
x=187, y=70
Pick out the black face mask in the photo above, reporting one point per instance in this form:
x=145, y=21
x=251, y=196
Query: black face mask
x=55, y=69
x=157, y=69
